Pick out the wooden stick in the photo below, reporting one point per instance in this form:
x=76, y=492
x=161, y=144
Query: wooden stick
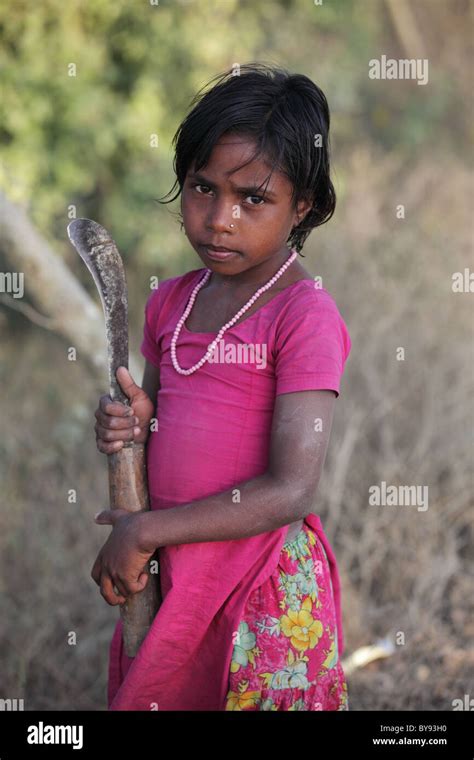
x=128, y=490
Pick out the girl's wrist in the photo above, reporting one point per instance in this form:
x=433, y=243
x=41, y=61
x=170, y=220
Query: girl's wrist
x=146, y=525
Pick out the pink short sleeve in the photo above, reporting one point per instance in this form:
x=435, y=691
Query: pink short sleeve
x=312, y=346
x=149, y=346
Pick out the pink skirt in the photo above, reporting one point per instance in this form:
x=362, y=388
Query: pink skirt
x=285, y=654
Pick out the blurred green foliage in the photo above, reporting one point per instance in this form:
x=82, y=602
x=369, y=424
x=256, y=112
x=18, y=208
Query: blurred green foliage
x=84, y=139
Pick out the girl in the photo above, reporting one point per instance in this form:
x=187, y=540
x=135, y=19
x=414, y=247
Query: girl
x=244, y=358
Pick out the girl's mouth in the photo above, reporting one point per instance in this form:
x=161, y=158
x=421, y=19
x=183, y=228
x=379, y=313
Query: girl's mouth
x=219, y=255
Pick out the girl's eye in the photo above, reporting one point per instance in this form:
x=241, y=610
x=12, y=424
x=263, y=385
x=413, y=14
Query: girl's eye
x=198, y=185
x=258, y=197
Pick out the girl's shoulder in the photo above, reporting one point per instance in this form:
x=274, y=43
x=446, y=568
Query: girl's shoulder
x=306, y=296
x=308, y=313
x=169, y=288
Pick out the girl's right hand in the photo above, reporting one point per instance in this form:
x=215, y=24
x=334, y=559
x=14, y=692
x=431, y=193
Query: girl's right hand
x=117, y=423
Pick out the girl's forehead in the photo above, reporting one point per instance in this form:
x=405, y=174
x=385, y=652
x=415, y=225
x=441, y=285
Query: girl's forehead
x=231, y=150
x=226, y=159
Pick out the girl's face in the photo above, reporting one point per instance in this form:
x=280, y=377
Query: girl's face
x=213, y=199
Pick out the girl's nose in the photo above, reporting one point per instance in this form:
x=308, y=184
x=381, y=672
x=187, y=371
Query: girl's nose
x=220, y=216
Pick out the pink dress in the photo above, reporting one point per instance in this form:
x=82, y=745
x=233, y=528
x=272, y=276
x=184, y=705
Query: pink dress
x=214, y=433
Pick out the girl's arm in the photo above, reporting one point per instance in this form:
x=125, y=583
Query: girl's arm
x=301, y=429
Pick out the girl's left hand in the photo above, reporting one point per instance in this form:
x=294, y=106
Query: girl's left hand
x=121, y=561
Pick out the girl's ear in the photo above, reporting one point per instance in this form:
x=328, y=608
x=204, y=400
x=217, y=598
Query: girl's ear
x=301, y=210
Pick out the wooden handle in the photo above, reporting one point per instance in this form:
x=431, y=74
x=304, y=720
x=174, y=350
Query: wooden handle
x=128, y=487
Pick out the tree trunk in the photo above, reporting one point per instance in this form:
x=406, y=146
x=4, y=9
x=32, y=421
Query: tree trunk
x=65, y=306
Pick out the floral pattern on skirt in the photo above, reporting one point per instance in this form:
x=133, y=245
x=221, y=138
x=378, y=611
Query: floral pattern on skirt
x=285, y=654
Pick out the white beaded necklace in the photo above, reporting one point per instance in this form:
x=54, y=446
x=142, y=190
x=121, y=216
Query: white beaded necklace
x=229, y=324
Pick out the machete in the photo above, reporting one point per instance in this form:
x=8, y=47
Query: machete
x=128, y=485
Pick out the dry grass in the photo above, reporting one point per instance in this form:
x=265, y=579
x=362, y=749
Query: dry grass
x=405, y=423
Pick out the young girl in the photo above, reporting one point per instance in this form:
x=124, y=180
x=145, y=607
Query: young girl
x=244, y=358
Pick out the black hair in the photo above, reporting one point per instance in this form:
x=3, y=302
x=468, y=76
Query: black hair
x=288, y=117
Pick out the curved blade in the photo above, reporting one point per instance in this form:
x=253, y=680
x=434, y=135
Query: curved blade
x=98, y=251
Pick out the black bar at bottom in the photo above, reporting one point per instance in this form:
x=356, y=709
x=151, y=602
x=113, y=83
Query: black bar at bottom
x=381, y=734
